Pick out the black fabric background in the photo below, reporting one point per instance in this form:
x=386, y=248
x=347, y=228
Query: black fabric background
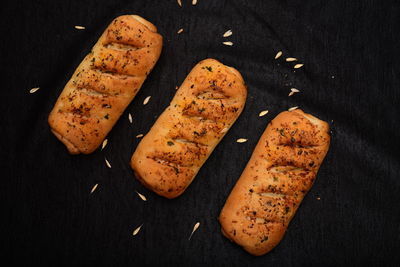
x=350, y=79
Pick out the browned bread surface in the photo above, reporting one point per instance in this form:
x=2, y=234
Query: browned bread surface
x=105, y=83
x=204, y=108
x=279, y=173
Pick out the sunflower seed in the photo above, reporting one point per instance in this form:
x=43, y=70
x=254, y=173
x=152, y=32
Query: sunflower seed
x=107, y=163
x=136, y=231
x=94, y=188
x=292, y=108
x=141, y=196
x=34, y=90
x=298, y=66
x=228, y=43
x=290, y=59
x=180, y=31
x=79, y=27
x=146, y=100
x=293, y=91
x=139, y=135
x=263, y=113
x=196, y=226
x=104, y=144
x=179, y=2
x=227, y=33
x=241, y=140
x=278, y=55
x=194, y=2
x=318, y=198
x=130, y=117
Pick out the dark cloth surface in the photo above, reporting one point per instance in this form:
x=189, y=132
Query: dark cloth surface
x=350, y=79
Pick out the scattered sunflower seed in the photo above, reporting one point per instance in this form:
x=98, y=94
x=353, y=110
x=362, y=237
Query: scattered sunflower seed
x=196, y=226
x=176, y=87
x=318, y=198
x=139, y=135
x=146, y=100
x=263, y=113
x=194, y=2
x=278, y=55
x=107, y=163
x=130, y=117
x=179, y=2
x=292, y=108
x=141, y=196
x=298, y=66
x=227, y=33
x=179, y=31
x=228, y=43
x=293, y=91
x=241, y=140
x=104, y=144
x=34, y=90
x=136, y=231
x=79, y=27
x=94, y=188
x=290, y=59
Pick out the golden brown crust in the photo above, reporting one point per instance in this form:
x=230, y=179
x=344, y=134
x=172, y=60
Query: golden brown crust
x=206, y=105
x=105, y=83
x=280, y=172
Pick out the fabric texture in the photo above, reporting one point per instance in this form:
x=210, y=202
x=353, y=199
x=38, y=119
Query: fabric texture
x=350, y=79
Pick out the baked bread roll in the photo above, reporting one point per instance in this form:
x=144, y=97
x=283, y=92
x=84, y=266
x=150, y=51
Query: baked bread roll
x=105, y=83
x=204, y=108
x=280, y=172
